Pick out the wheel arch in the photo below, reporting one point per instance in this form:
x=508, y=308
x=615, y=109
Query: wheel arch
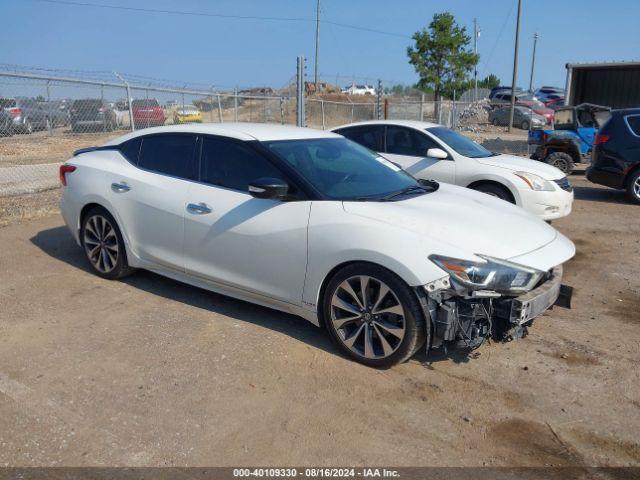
x=569, y=146
x=96, y=203
x=486, y=181
x=327, y=278
x=629, y=173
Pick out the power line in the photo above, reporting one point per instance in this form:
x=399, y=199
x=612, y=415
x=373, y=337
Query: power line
x=495, y=44
x=219, y=15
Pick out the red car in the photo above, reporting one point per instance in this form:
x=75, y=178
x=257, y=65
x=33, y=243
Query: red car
x=538, y=108
x=147, y=113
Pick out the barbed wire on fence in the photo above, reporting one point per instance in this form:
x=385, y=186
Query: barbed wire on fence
x=52, y=112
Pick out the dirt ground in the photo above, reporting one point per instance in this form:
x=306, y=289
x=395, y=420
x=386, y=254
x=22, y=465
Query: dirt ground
x=148, y=371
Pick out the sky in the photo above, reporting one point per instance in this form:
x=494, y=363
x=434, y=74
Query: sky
x=228, y=52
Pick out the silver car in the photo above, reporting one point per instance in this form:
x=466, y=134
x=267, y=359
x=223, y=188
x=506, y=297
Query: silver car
x=523, y=117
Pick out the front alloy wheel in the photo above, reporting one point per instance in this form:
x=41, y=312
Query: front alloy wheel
x=368, y=317
x=373, y=316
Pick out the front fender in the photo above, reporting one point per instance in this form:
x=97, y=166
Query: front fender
x=503, y=180
x=330, y=229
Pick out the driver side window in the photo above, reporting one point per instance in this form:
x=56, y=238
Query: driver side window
x=407, y=141
x=230, y=164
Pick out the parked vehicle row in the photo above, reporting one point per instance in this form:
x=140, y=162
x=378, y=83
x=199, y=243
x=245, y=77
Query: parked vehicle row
x=28, y=115
x=523, y=99
x=314, y=224
x=89, y=114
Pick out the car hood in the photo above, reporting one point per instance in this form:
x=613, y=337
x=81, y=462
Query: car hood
x=519, y=164
x=468, y=221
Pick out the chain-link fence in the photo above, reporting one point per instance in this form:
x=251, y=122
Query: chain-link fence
x=45, y=117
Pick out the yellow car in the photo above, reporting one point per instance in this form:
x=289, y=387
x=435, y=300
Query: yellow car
x=187, y=114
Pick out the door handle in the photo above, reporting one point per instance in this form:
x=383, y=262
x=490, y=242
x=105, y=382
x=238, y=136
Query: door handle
x=120, y=187
x=198, y=208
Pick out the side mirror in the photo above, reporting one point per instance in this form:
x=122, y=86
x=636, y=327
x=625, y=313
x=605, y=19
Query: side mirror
x=437, y=153
x=268, y=187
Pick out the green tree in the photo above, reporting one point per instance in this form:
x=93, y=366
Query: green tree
x=490, y=81
x=441, y=55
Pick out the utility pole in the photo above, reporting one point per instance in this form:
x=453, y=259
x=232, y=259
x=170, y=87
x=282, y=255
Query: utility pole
x=317, y=42
x=515, y=68
x=476, y=34
x=533, y=60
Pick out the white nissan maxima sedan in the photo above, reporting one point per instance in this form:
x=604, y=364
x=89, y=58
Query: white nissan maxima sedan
x=311, y=223
x=431, y=151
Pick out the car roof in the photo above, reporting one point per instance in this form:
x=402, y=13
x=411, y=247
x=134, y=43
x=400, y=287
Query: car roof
x=240, y=131
x=403, y=123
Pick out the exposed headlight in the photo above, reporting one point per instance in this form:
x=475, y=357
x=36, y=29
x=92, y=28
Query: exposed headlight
x=536, y=182
x=492, y=274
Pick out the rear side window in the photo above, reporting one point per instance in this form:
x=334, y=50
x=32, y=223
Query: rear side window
x=371, y=137
x=233, y=165
x=564, y=119
x=634, y=124
x=131, y=149
x=406, y=141
x=170, y=155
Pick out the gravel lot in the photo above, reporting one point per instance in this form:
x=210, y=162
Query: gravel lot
x=152, y=372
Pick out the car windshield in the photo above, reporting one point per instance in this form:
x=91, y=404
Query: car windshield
x=343, y=170
x=459, y=143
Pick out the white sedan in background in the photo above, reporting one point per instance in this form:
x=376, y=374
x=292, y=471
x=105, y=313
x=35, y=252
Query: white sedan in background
x=313, y=224
x=431, y=151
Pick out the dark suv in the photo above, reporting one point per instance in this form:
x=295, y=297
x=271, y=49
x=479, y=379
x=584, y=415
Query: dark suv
x=615, y=159
x=92, y=114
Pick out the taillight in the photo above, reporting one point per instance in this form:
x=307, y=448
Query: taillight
x=601, y=138
x=64, y=169
x=16, y=112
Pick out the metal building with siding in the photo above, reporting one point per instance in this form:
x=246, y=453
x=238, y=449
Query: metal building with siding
x=615, y=85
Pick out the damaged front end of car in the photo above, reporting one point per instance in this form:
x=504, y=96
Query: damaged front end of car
x=488, y=299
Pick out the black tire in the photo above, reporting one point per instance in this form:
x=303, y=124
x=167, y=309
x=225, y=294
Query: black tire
x=562, y=161
x=633, y=187
x=28, y=127
x=413, y=319
x=120, y=268
x=524, y=125
x=495, y=122
x=495, y=190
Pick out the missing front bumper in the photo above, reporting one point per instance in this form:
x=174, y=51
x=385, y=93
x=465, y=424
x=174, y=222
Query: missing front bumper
x=466, y=322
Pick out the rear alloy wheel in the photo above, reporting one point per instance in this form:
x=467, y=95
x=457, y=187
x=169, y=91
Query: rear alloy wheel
x=103, y=244
x=373, y=316
x=633, y=187
x=28, y=127
x=524, y=125
x=561, y=161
